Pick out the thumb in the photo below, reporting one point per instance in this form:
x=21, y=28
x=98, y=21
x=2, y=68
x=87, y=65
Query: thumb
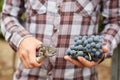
x=105, y=49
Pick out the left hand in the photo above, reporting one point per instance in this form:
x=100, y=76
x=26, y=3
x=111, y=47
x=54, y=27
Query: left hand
x=82, y=62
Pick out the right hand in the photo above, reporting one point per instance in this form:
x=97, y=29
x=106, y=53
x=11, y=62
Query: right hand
x=27, y=52
x=82, y=62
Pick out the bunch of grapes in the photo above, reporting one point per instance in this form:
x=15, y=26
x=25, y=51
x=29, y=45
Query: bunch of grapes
x=89, y=47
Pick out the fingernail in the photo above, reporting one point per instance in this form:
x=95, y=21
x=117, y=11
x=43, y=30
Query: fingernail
x=80, y=58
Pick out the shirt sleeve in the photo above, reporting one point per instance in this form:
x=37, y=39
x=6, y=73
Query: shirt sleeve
x=111, y=22
x=11, y=26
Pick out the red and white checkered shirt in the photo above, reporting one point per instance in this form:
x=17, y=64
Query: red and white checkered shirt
x=57, y=22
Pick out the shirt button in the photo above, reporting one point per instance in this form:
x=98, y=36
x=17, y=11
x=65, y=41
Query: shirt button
x=59, y=5
x=54, y=30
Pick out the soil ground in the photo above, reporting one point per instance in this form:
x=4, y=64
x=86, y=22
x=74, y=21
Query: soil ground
x=7, y=64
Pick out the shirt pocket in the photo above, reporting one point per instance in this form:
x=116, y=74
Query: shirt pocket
x=38, y=6
x=86, y=7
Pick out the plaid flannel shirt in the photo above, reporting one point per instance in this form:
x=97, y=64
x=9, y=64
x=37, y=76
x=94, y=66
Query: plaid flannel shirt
x=57, y=22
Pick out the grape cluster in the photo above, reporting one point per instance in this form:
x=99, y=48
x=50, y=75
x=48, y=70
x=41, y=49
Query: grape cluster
x=88, y=47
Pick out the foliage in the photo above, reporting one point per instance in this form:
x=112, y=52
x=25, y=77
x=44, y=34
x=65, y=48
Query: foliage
x=101, y=27
x=1, y=3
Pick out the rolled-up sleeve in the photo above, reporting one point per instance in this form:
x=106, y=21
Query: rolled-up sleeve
x=11, y=26
x=111, y=21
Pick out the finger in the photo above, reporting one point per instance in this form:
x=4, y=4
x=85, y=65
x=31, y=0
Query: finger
x=25, y=65
x=32, y=59
x=105, y=49
x=23, y=59
x=87, y=63
x=75, y=62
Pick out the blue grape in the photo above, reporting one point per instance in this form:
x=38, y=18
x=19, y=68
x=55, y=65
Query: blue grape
x=97, y=53
x=73, y=56
x=88, y=50
x=80, y=53
x=94, y=50
x=96, y=38
x=84, y=54
x=90, y=40
x=83, y=39
x=98, y=45
x=85, y=42
x=100, y=50
x=80, y=47
x=76, y=39
x=92, y=54
x=84, y=48
x=72, y=47
x=73, y=52
x=86, y=57
x=79, y=42
x=76, y=48
x=68, y=51
x=88, y=45
x=93, y=44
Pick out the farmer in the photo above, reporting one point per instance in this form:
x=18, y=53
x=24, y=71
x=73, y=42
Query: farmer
x=56, y=23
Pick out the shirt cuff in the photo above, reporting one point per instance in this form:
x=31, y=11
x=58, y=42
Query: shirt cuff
x=107, y=43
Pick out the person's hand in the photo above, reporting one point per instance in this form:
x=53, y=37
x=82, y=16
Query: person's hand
x=82, y=62
x=27, y=52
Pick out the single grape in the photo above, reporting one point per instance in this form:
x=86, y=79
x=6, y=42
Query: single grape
x=78, y=42
x=94, y=50
x=84, y=54
x=86, y=57
x=92, y=54
x=88, y=50
x=72, y=52
x=73, y=56
x=98, y=46
x=80, y=47
x=72, y=47
x=88, y=46
x=100, y=50
x=85, y=42
x=90, y=40
x=97, y=53
x=68, y=51
x=76, y=39
x=93, y=44
x=96, y=38
x=83, y=39
x=100, y=43
x=80, y=53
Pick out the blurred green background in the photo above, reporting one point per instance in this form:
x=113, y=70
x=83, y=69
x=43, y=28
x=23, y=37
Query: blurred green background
x=8, y=59
x=1, y=3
